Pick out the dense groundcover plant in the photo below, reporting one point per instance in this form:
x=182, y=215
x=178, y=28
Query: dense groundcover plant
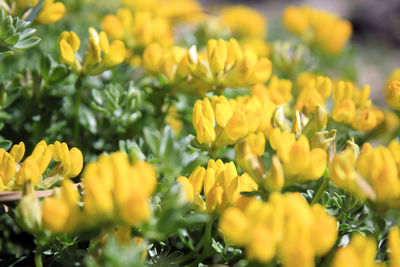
x=161, y=133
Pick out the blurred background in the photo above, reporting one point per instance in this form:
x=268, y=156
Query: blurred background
x=376, y=32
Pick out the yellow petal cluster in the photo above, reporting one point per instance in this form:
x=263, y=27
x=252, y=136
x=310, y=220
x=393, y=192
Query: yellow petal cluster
x=248, y=152
x=226, y=64
x=300, y=162
x=277, y=90
x=392, y=92
x=314, y=91
x=50, y=12
x=173, y=10
x=219, y=183
x=374, y=174
x=353, y=106
x=60, y=214
x=223, y=122
x=114, y=190
x=237, y=19
x=361, y=252
x=394, y=246
x=159, y=60
x=318, y=27
x=101, y=55
x=285, y=227
x=15, y=173
x=138, y=29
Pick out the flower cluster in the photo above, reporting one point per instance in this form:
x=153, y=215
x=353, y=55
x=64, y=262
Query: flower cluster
x=353, y=106
x=49, y=12
x=285, y=227
x=225, y=64
x=392, y=89
x=360, y=252
x=234, y=119
x=318, y=27
x=114, y=190
x=15, y=173
x=220, y=184
x=172, y=10
x=372, y=174
x=138, y=29
x=300, y=162
x=100, y=56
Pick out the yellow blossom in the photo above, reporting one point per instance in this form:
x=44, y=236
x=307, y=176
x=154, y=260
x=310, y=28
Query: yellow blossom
x=359, y=253
x=285, y=227
x=236, y=18
x=393, y=94
x=300, y=162
x=138, y=29
x=220, y=184
x=50, y=12
x=394, y=246
x=318, y=27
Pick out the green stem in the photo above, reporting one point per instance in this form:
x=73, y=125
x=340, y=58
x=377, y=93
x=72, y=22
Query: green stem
x=321, y=189
x=38, y=257
x=207, y=238
x=78, y=100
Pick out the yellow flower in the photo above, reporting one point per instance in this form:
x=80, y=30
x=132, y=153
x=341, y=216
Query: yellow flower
x=248, y=154
x=353, y=106
x=220, y=184
x=278, y=90
x=359, y=253
x=166, y=61
x=24, y=4
x=50, y=12
x=393, y=94
x=318, y=27
x=137, y=30
x=314, y=91
x=18, y=151
x=115, y=188
x=187, y=186
x=379, y=168
x=60, y=214
x=100, y=56
x=204, y=121
x=394, y=246
x=284, y=227
x=236, y=18
x=69, y=44
x=29, y=171
x=71, y=160
x=324, y=230
x=234, y=226
x=300, y=162
x=226, y=64
x=7, y=168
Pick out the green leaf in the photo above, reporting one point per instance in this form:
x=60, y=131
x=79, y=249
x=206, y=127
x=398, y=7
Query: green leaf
x=13, y=39
x=12, y=95
x=27, y=33
x=153, y=139
x=58, y=74
x=5, y=144
x=7, y=53
x=45, y=65
x=27, y=43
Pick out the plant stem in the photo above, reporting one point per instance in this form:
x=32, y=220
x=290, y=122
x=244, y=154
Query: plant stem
x=321, y=189
x=207, y=238
x=38, y=257
x=78, y=100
